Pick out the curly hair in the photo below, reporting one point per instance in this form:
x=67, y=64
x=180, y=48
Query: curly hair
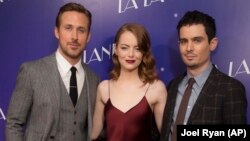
x=146, y=70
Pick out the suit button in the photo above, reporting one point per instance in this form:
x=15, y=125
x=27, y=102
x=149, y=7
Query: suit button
x=52, y=137
x=75, y=122
x=74, y=133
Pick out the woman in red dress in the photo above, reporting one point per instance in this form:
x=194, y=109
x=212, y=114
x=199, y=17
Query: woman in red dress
x=134, y=96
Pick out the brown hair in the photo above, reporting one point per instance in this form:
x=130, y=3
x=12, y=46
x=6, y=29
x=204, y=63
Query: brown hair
x=73, y=7
x=147, y=71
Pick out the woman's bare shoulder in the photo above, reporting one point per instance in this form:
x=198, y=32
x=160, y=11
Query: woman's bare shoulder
x=103, y=89
x=103, y=84
x=158, y=85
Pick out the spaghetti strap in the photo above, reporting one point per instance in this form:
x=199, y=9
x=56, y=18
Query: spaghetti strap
x=147, y=90
x=109, y=89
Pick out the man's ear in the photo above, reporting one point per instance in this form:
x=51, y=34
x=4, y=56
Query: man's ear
x=56, y=32
x=213, y=44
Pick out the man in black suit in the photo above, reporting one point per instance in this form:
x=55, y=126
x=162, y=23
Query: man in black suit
x=215, y=97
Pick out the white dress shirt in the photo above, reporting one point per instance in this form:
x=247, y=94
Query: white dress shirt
x=64, y=70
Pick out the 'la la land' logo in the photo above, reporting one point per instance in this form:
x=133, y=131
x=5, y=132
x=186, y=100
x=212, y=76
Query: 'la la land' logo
x=241, y=69
x=128, y=4
x=98, y=54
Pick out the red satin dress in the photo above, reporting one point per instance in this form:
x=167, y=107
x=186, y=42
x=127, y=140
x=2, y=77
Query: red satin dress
x=134, y=125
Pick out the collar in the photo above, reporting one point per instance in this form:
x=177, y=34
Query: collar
x=201, y=78
x=64, y=64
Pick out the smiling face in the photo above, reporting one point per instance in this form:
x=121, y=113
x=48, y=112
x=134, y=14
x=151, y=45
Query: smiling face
x=128, y=52
x=194, y=46
x=73, y=35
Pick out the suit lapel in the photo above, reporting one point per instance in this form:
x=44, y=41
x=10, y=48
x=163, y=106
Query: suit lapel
x=170, y=106
x=89, y=98
x=54, y=87
x=55, y=81
x=173, y=93
x=208, y=89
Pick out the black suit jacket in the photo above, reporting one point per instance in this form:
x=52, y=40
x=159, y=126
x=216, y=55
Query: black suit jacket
x=222, y=100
